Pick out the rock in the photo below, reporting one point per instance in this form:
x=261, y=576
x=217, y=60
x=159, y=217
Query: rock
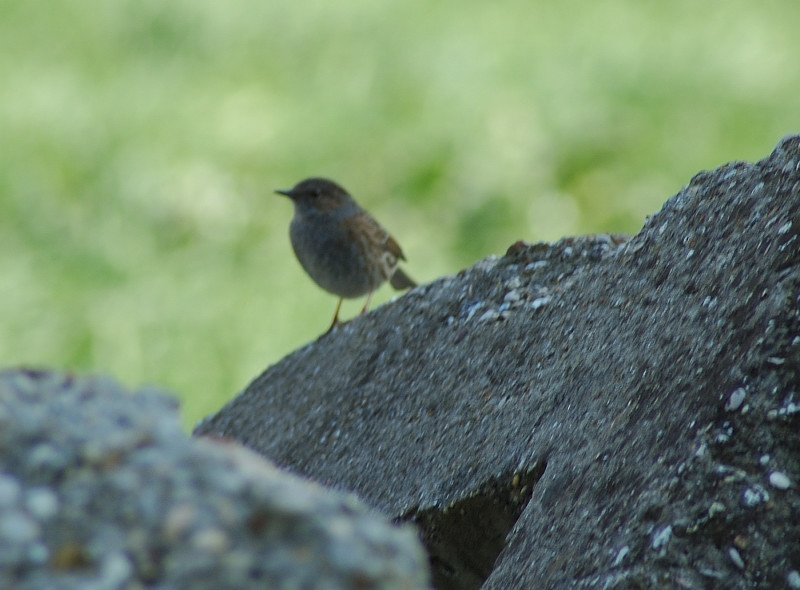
x=100, y=489
x=544, y=417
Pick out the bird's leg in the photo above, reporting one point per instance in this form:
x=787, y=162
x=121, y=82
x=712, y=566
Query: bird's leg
x=366, y=305
x=335, y=316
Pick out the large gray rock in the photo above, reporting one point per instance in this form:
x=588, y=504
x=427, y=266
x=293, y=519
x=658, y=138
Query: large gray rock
x=592, y=413
x=100, y=490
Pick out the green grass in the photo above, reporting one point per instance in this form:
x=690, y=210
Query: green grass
x=141, y=143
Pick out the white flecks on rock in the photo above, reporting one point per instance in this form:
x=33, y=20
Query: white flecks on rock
x=662, y=537
x=540, y=302
x=735, y=399
x=179, y=520
x=729, y=474
x=778, y=479
x=536, y=265
x=736, y=558
x=115, y=570
x=473, y=309
x=42, y=503
x=764, y=459
x=710, y=302
x=17, y=527
x=725, y=433
x=701, y=451
x=621, y=555
x=489, y=316
x=754, y=496
x=793, y=579
x=716, y=508
x=211, y=540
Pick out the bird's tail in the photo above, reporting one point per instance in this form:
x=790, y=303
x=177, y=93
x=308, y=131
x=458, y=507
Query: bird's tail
x=400, y=280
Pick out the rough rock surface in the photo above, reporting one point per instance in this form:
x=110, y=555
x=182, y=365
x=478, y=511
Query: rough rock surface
x=101, y=490
x=593, y=413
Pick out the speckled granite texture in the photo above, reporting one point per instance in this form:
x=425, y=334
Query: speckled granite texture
x=595, y=413
x=101, y=490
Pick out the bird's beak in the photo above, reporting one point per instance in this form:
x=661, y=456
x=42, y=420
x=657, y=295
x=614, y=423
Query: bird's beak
x=285, y=193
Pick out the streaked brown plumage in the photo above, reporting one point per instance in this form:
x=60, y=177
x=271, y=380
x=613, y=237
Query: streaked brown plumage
x=340, y=245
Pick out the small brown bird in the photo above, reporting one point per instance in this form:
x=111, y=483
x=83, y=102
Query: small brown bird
x=340, y=245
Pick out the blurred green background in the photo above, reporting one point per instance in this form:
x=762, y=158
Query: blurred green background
x=141, y=143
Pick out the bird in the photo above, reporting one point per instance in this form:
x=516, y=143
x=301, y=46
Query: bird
x=340, y=245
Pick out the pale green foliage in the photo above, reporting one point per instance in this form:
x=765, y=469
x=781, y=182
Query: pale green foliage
x=141, y=142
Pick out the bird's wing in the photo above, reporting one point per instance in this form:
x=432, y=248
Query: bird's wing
x=393, y=247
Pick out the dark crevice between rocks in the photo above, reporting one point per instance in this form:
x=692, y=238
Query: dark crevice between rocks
x=465, y=538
